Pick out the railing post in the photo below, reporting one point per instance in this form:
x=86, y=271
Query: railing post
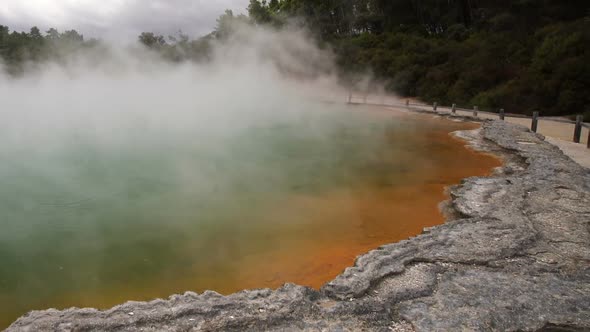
x=578, y=129
x=475, y=111
x=535, y=122
x=502, y=114
x=434, y=106
x=454, y=109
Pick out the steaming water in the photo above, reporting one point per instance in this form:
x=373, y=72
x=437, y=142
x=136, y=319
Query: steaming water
x=94, y=224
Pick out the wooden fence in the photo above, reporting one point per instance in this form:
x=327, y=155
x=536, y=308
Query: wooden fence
x=453, y=110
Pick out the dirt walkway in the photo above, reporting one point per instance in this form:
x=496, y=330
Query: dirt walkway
x=558, y=133
x=578, y=152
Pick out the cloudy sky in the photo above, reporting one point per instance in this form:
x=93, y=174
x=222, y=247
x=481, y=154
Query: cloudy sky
x=117, y=19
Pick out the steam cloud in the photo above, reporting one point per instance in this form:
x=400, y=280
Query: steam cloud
x=118, y=125
x=114, y=105
x=108, y=156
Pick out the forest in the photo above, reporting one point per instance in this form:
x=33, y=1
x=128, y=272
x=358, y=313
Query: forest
x=520, y=55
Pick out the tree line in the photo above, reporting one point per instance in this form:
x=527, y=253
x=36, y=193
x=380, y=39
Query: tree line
x=18, y=49
x=520, y=55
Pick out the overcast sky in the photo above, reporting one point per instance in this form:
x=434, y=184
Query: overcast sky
x=117, y=19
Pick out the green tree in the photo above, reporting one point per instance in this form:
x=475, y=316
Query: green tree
x=151, y=40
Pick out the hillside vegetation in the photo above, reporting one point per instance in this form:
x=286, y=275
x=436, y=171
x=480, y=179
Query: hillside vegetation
x=520, y=55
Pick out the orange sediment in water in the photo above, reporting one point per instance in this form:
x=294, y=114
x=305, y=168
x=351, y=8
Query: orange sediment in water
x=344, y=224
x=305, y=237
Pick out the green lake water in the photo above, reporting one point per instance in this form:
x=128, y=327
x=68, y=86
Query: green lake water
x=89, y=219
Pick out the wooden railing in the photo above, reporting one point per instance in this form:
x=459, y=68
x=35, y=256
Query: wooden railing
x=476, y=112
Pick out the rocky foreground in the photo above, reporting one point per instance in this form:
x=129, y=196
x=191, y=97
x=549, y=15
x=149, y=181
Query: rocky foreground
x=515, y=256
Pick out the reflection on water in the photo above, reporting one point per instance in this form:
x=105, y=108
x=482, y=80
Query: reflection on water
x=86, y=223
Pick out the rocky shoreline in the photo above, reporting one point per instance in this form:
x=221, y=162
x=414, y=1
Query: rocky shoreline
x=513, y=256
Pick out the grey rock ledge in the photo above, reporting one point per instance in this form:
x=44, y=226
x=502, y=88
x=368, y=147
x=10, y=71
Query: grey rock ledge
x=515, y=257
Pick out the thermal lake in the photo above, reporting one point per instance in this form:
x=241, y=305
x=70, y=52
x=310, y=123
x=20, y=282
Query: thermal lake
x=151, y=210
